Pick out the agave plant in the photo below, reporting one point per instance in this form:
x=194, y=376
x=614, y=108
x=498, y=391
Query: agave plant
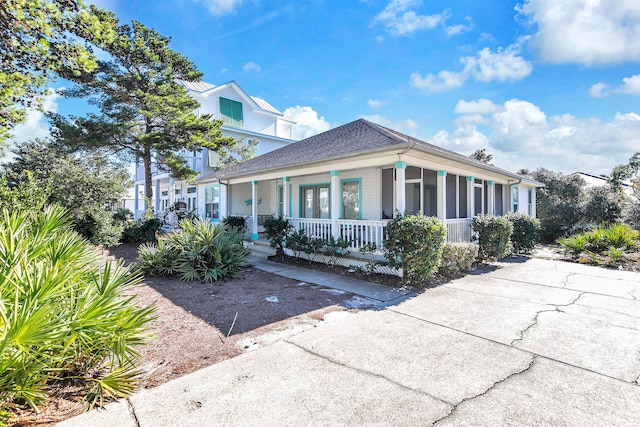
x=63, y=313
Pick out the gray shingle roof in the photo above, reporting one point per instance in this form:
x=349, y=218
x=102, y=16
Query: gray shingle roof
x=358, y=137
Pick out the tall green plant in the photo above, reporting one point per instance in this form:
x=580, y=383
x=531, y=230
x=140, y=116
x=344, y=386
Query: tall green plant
x=277, y=229
x=526, y=232
x=414, y=243
x=63, y=313
x=494, y=236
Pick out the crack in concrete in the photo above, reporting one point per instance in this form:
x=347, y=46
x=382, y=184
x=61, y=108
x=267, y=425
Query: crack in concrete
x=637, y=381
x=632, y=295
x=535, y=319
x=565, y=282
x=466, y=399
x=132, y=411
x=373, y=374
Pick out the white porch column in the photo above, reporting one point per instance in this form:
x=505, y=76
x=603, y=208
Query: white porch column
x=533, y=202
x=254, y=210
x=136, y=200
x=172, y=200
x=400, y=187
x=156, y=195
x=441, y=191
x=335, y=203
x=471, y=197
x=285, y=196
x=491, y=198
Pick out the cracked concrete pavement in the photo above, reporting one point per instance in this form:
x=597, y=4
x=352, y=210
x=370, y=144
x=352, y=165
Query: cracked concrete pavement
x=529, y=342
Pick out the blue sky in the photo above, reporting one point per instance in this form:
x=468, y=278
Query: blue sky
x=536, y=82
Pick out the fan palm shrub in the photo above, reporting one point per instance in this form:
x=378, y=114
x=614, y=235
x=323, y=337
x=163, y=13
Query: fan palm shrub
x=64, y=314
x=199, y=251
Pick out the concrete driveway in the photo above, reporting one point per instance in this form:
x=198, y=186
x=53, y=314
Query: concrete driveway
x=530, y=343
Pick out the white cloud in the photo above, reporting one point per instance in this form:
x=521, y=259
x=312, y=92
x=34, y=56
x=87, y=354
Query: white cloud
x=250, y=67
x=454, y=30
x=520, y=135
x=585, y=31
x=399, y=18
x=629, y=86
x=221, y=7
x=376, y=103
x=599, y=90
x=35, y=124
x=307, y=122
x=486, y=66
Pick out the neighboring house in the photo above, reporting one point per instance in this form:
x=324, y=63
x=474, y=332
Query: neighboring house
x=245, y=117
x=348, y=182
x=599, y=181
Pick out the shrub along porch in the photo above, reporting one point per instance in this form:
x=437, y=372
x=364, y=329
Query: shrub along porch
x=348, y=182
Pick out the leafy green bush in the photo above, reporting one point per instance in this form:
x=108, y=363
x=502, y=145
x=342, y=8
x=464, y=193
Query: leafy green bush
x=575, y=244
x=457, y=258
x=368, y=250
x=334, y=249
x=526, y=232
x=493, y=236
x=65, y=314
x=236, y=221
x=143, y=229
x=277, y=229
x=298, y=243
x=99, y=226
x=414, y=243
x=199, y=251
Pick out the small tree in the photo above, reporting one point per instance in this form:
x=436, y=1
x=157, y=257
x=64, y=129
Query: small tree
x=526, y=232
x=603, y=206
x=414, y=243
x=277, y=229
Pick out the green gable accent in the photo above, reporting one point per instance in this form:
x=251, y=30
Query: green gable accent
x=400, y=165
x=442, y=173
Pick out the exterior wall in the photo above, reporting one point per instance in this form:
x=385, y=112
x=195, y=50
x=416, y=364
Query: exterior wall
x=238, y=194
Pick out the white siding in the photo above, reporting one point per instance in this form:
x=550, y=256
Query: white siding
x=239, y=193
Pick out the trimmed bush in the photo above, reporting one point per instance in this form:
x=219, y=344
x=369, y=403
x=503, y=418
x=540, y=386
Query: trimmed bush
x=199, y=251
x=493, y=236
x=143, y=229
x=237, y=222
x=526, y=232
x=65, y=313
x=457, y=258
x=277, y=229
x=99, y=226
x=414, y=243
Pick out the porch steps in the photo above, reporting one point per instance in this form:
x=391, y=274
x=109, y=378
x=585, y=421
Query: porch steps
x=260, y=249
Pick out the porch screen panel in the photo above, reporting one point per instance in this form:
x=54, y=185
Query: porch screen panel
x=498, y=203
x=412, y=194
x=451, y=196
x=387, y=193
x=478, y=200
x=463, y=197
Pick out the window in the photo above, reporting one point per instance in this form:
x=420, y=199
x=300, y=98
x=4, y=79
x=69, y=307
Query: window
x=530, y=202
x=191, y=190
x=231, y=112
x=212, y=201
x=351, y=199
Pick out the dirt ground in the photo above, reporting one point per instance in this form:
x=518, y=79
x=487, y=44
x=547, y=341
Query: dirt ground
x=199, y=324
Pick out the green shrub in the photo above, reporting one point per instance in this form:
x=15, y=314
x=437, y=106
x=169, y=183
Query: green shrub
x=526, y=232
x=298, y=243
x=277, y=229
x=621, y=236
x=65, y=314
x=123, y=215
x=143, y=229
x=236, y=221
x=493, y=236
x=457, y=258
x=199, y=251
x=334, y=249
x=600, y=240
x=368, y=250
x=414, y=243
x=99, y=226
x=575, y=244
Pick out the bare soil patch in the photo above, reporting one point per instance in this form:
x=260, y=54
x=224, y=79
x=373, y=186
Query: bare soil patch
x=200, y=324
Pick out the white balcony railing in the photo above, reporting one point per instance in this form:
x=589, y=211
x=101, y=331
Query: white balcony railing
x=458, y=230
x=313, y=227
x=361, y=232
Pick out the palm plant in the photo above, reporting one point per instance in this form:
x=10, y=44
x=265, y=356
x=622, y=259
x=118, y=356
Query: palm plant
x=63, y=314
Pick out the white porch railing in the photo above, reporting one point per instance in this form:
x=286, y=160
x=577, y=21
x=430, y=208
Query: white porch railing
x=361, y=232
x=458, y=230
x=313, y=227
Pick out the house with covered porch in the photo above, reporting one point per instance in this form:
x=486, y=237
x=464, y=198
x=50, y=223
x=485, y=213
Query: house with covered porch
x=350, y=180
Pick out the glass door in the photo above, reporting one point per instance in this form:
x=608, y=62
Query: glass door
x=315, y=201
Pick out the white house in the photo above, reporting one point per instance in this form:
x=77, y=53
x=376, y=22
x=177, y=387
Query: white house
x=349, y=180
x=245, y=117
